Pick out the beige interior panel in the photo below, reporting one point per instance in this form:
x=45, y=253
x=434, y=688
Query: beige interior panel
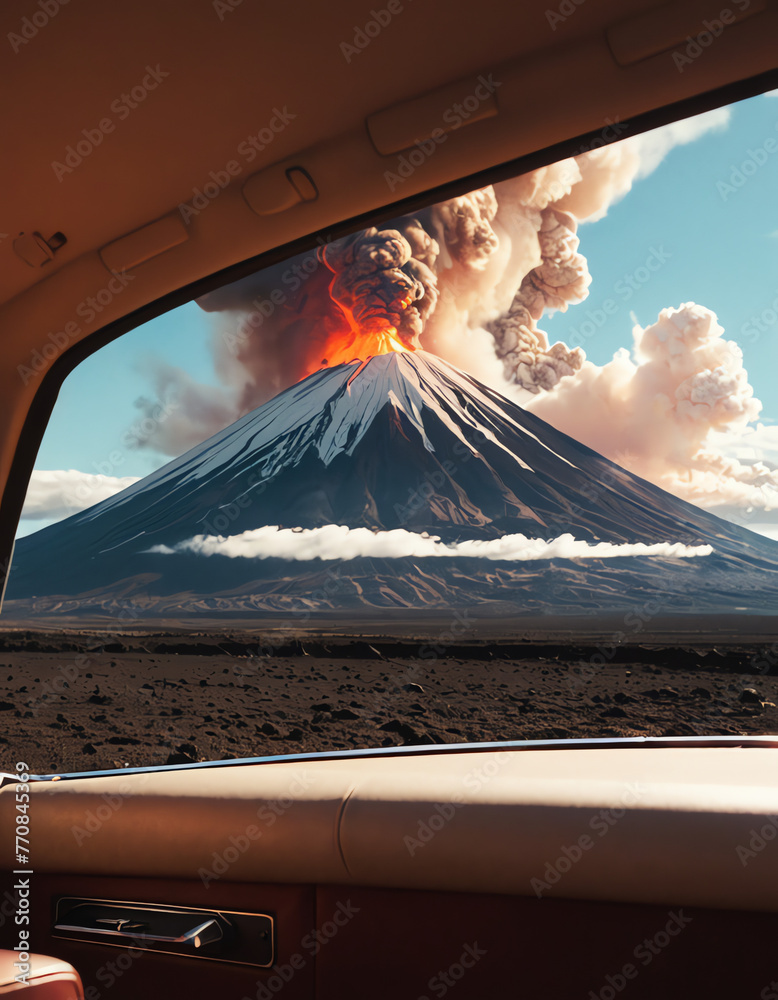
x=478, y=822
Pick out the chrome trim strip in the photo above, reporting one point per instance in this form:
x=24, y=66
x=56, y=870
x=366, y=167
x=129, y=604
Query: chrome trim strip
x=103, y=939
x=432, y=749
x=124, y=935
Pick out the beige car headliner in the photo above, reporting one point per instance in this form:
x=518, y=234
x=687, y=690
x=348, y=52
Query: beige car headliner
x=564, y=69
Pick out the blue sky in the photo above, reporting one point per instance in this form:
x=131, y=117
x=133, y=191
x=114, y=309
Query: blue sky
x=96, y=407
x=722, y=253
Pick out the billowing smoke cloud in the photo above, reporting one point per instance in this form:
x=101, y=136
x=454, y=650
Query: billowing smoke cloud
x=561, y=278
x=52, y=495
x=334, y=541
x=382, y=289
x=468, y=279
x=180, y=413
x=659, y=411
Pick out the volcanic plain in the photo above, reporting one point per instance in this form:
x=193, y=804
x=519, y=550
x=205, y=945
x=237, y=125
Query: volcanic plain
x=84, y=701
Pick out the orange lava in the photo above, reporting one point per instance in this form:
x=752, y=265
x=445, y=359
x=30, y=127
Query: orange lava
x=353, y=345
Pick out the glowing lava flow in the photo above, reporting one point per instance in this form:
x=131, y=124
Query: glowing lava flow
x=379, y=301
x=381, y=343
x=363, y=344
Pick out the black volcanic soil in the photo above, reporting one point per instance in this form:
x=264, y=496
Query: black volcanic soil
x=73, y=701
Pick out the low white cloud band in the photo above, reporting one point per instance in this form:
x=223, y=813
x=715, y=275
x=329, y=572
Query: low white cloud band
x=333, y=541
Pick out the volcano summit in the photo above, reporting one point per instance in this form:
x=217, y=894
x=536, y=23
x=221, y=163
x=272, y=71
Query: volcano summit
x=381, y=468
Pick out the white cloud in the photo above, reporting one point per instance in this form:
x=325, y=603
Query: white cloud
x=679, y=412
x=335, y=541
x=768, y=530
x=54, y=494
x=607, y=173
x=652, y=147
x=757, y=443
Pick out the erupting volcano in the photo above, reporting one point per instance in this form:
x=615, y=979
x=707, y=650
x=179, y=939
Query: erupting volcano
x=379, y=287
x=397, y=484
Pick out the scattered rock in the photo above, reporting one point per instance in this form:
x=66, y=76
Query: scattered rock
x=185, y=753
x=344, y=714
x=680, y=729
x=662, y=694
x=401, y=728
x=268, y=729
x=413, y=687
x=750, y=696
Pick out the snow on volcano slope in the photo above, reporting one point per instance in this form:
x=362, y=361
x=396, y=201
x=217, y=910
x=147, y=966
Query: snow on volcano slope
x=404, y=441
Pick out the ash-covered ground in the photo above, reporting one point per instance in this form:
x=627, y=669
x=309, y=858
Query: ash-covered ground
x=75, y=701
